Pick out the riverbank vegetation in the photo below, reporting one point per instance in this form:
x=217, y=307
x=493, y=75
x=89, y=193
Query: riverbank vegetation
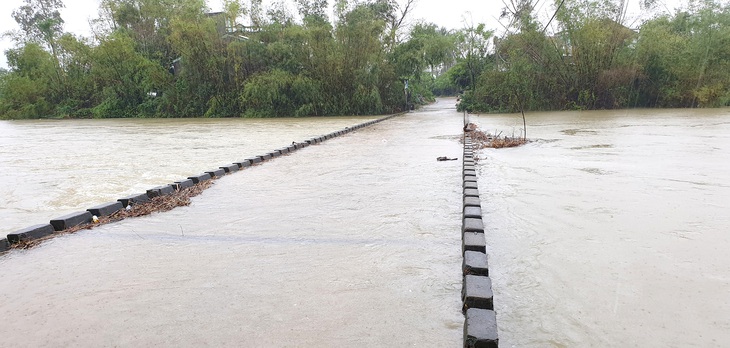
x=172, y=58
x=587, y=57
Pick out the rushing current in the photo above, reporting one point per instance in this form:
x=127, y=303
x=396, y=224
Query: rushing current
x=354, y=242
x=610, y=229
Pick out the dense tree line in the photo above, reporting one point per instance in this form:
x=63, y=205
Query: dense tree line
x=171, y=58
x=592, y=61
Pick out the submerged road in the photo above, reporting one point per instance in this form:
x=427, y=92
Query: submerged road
x=351, y=242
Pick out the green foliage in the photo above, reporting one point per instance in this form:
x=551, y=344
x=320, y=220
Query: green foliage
x=169, y=58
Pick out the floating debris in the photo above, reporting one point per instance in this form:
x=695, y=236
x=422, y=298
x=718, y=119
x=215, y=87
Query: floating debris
x=157, y=204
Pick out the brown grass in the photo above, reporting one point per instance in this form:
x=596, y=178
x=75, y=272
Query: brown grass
x=157, y=204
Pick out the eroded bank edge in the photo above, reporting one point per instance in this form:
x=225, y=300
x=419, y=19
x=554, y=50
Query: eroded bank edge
x=65, y=222
x=480, y=322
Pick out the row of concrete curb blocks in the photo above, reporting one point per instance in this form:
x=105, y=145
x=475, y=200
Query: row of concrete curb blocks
x=480, y=321
x=78, y=218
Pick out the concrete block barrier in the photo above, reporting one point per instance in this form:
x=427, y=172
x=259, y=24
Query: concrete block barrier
x=183, y=184
x=218, y=173
x=469, y=167
x=75, y=219
x=471, y=172
x=473, y=225
x=473, y=212
x=473, y=241
x=471, y=192
x=230, y=168
x=200, y=178
x=470, y=178
x=477, y=292
x=472, y=202
x=106, y=209
x=29, y=233
x=134, y=199
x=470, y=185
x=71, y=220
x=475, y=263
x=160, y=191
x=243, y=164
x=480, y=329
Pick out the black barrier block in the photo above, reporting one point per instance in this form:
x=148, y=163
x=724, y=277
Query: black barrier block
x=265, y=157
x=473, y=241
x=33, y=232
x=134, y=199
x=5, y=245
x=284, y=150
x=105, y=209
x=470, y=178
x=475, y=263
x=200, y=178
x=477, y=292
x=160, y=191
x=473, y=225
x=470, y=185
x=473, y=212
x=218, y=173
x=480, y=329
x=230, y=168
x=255, y=160
x=291, y=148
x=471, y=192
x=243, y=164
x=183, y=184
x=71, y=220
x=472, y=202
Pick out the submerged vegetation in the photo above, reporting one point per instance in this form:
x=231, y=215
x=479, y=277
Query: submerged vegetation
x=172, y=58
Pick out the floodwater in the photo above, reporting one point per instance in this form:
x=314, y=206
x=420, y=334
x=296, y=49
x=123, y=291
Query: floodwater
x=611, y=230
x=56, y=167
x=353, y=242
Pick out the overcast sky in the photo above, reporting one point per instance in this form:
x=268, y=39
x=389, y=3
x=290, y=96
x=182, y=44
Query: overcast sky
x=452, y=14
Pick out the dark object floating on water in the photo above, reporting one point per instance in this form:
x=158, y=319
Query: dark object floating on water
x=444, y=158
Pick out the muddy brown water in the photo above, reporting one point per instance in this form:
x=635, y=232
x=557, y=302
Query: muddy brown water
x=609, y=230
x=354, y=242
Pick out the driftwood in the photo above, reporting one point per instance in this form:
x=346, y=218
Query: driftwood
x=157, y=204
x=482, y=140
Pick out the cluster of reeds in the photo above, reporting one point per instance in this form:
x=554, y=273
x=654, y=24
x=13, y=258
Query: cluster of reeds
x=157, y=204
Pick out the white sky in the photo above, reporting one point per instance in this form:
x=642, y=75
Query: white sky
x=451, y=14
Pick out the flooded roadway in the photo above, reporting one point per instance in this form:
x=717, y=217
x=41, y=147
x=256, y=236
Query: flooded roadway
x=354, y=242
x=610, y=230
